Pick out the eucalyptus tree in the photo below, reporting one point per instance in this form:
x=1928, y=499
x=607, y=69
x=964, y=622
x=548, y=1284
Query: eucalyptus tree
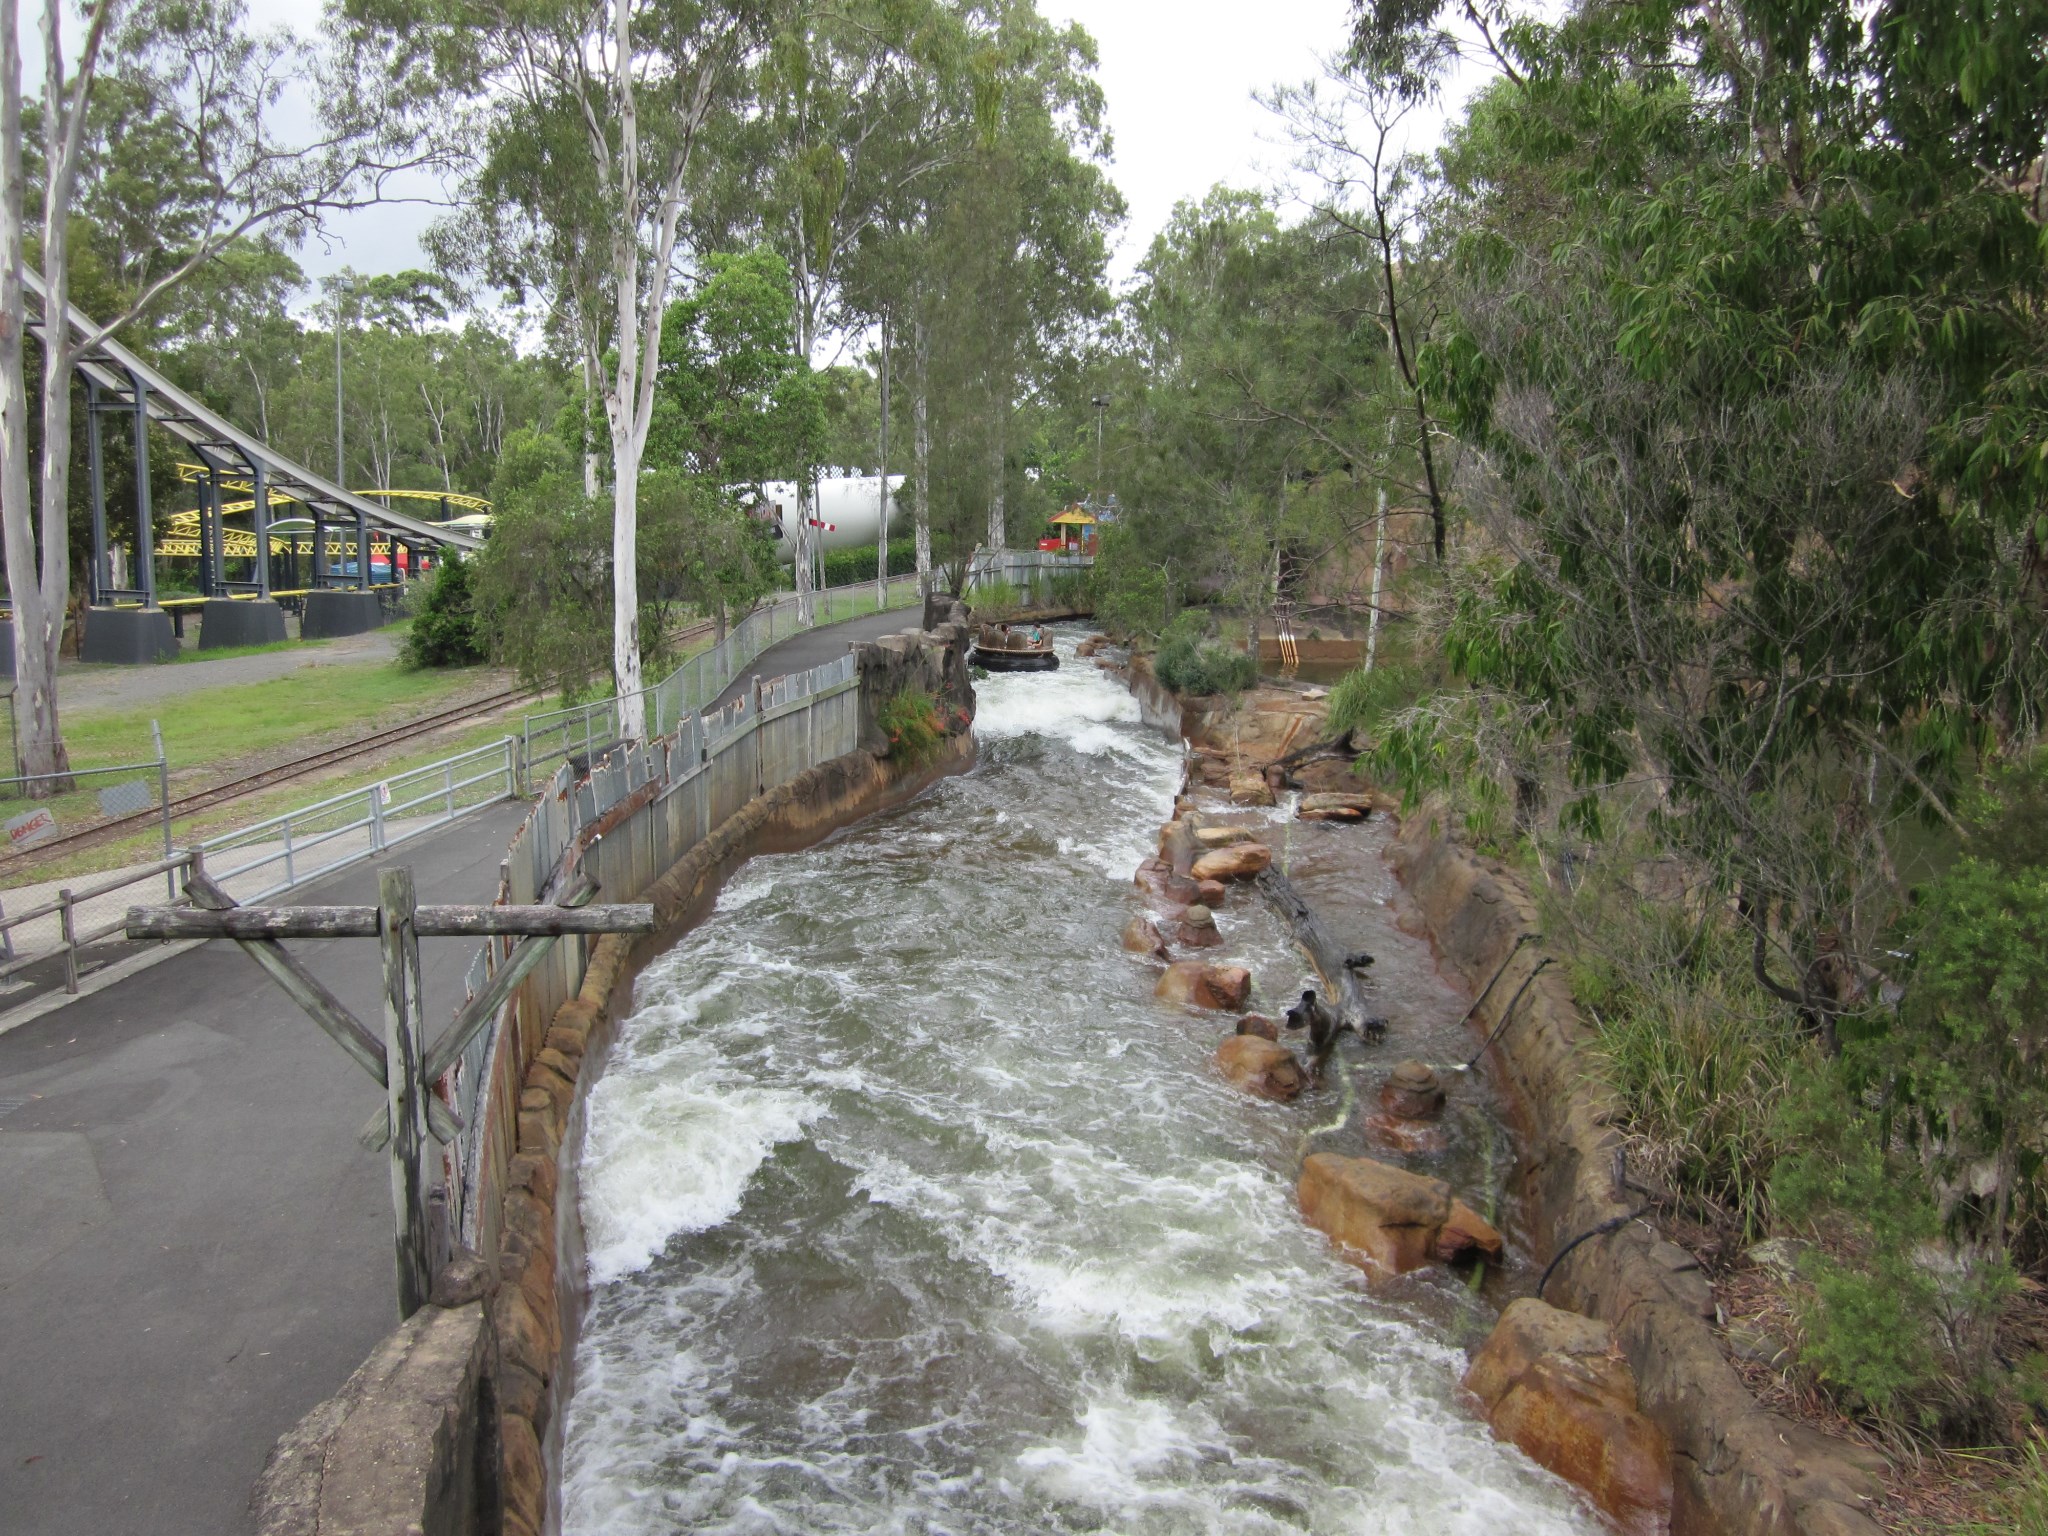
x=623, y=91
x=846, y=125
x=198, y=77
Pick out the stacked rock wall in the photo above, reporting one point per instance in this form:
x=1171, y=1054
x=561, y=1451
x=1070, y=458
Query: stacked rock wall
x=1736, y=1467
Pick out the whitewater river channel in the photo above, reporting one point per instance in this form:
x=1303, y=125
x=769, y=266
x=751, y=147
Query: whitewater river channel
x=907, y=1209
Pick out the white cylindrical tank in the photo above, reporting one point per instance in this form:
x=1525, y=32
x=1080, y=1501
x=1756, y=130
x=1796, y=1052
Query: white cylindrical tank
x=849, y=506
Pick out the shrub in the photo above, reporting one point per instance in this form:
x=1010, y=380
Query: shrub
x=1133, y=595
x=445, y=632
x=914, y=724
x=1359, y=700
x=1190, y=662
x=844, y=567
x=996, y=600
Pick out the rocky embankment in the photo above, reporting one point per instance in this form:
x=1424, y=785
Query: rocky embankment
x=1554, y=1383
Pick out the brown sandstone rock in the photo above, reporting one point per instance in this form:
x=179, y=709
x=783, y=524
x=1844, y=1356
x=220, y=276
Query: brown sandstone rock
x=1240, y=861
x=1224, y=987
x=1412, y=1092
x=1466, y=1235
x=522, y=1474
x=1387, y=1214
x=1156, y=877
x=1259, y=1066
x=1335, y=807
x=1142, y=936
x=1555, y=1385
x=1258, y=1024
x=1222, y=837
x=1250, y=789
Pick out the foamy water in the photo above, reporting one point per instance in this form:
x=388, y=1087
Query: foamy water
x=908, y=1209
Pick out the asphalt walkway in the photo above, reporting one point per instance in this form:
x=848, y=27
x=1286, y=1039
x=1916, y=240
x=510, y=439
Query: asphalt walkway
x=801, y=652
x=193, y=1249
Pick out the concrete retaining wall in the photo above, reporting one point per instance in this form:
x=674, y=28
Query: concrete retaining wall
x=1736, y=1466
x=451, y=1418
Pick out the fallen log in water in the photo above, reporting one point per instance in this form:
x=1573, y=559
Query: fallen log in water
x=1340, y=983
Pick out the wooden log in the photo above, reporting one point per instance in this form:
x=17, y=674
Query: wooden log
x=1340, y=983
x=431, y=922
x=299, y=984
x=253, y=923
x=551, y=921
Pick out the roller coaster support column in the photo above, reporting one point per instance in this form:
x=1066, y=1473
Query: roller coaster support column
x=363, y=551
x=319, y=548
x=98, y=578
x=145, y=535
x=261, y=520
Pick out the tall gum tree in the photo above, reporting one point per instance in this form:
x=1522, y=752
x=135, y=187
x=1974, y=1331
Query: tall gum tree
x=632, y=86
x=216, y=85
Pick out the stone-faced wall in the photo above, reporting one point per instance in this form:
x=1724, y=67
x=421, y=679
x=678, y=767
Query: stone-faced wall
x=1736, y=1467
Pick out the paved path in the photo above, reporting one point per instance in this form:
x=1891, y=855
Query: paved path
x=801, y=652
x=82, y=687
x=193, y=1248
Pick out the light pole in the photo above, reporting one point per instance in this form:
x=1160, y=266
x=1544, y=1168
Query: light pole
x=1101, y=404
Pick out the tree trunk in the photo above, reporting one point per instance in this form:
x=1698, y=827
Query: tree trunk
x=998, y=536
x=806, y=535
x=620, y=402
x=14, y=475
x=882, y=493
x=590, y=392
x=921, y=420
x=1379, y=539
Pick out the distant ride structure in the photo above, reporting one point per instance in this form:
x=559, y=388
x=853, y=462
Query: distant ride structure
x=128, y=622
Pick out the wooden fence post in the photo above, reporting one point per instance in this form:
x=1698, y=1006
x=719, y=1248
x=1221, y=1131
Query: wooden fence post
x=405, y=1090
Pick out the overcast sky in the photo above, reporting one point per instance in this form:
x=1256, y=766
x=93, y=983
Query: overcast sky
x=1178, y=75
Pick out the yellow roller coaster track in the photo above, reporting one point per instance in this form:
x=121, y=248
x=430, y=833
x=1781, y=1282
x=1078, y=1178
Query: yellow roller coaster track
x=192, y=474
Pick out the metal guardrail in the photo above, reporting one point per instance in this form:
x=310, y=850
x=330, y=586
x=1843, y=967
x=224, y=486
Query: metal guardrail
x=317, y=839
x=85, y=916
x=585, y=730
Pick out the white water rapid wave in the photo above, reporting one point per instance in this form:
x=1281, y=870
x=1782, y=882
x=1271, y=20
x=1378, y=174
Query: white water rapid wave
x=909, y=1210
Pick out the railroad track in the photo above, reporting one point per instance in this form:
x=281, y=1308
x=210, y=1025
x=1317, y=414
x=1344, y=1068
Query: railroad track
x=263, y=778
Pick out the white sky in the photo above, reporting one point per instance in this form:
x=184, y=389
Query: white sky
x=1178, y=76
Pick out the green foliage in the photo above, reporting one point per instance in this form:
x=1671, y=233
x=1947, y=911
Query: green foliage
x=445, y=632
x=1360, y=700
x=914, y=725
x=844, y=567
x=1190, y=662
x=1133, y=594
x=997, y=600
x=2022, y=1505
x=737, y=402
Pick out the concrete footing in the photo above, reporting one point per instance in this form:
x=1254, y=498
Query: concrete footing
x=224, y=622
x=337, y=612
x=127, y=636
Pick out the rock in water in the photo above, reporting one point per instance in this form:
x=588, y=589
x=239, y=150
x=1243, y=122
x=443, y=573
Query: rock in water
x=1250, y=789
x=1222, y=837
x=1142, y=936
x=1556, y=1386
x=1198, y=985
x=1260, y=1066
x=1210, y=893
x=1198, y=928
x=1389, y=1215
x=1412, y=1091
x=1329, y=807
x=1240, y=861
x=1258, y=1024
x=1466, y=1235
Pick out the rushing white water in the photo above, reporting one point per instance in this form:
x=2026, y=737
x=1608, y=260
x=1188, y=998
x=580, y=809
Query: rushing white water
x=909, y=1210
